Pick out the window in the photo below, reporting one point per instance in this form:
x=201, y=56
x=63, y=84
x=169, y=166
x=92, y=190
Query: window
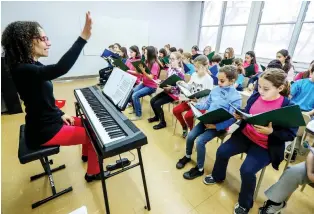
x=304, y=51
x=208, y=37
x=276, y=27
x=237, y=12
x=211, y=13
x=235, y=41
x=235, y=22
x=210, y=24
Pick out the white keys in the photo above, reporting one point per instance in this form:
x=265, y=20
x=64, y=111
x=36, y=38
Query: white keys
x=105, y=138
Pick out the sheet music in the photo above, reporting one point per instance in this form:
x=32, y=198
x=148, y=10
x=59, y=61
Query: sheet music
x=119, y=86
x=195, y=111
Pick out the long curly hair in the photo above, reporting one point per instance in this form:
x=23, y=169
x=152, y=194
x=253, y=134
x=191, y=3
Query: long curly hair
x=17, y=42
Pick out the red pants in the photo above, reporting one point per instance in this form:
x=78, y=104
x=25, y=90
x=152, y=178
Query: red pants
x=188, y=117
x=76, y=135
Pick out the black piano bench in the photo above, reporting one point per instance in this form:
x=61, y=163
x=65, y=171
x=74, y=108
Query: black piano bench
x=27, y=155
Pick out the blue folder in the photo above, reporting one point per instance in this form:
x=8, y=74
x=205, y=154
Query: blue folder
x=107, y=53
x=186, y=68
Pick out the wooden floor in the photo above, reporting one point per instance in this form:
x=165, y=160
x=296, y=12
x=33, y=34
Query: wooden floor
x=169, y=192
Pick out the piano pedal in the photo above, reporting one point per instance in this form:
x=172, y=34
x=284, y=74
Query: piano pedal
x=119, y=164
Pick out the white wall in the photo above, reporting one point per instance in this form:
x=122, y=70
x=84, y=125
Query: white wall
x=174, y=22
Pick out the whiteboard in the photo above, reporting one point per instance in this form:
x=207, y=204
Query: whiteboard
x=109, y=30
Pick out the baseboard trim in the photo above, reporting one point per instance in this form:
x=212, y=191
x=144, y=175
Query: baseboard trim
x=77, y=77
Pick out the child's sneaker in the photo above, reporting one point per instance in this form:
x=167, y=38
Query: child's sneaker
x=182, y=162
x=270, y=208
x=240, y=210
x=209, y=180
x=193, y=173
x=184, y=133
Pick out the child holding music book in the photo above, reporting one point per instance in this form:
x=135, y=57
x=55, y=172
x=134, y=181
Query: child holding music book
x=228, y=57
x=134, y=56
x=199, y=81
x=187, y=60
x=170, y=93
x=148, y=86
x=123, y=54
x=219, y=98
x=263, y=144
x=163, y=59
x=194, y=52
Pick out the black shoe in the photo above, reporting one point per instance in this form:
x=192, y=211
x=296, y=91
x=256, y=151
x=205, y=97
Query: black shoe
x=160, y=125
x=271, y=208
x=84, y=158
x=90, y=178
x=185, y=133
x=153, y=119
x=209, y=179
x=182, y=162
x=193, y=173
x=240, y=210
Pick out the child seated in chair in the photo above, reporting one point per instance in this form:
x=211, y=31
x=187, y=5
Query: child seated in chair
x=170, y=93
x=220, y=97
x=199, y=81
x=263, y=144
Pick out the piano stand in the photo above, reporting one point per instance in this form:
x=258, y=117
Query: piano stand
x=103, y=179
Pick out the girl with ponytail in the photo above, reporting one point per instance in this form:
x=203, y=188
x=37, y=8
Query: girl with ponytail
x=285, y=59
x=264, y=145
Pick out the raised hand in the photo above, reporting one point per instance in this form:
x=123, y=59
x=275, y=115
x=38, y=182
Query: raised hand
x=87, y=30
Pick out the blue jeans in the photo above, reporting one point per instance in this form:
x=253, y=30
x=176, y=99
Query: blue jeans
x=203, y=135
x=138, y=92
x=257, y=158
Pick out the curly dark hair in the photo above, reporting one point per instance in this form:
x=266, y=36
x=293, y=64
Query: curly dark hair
x=17, y=42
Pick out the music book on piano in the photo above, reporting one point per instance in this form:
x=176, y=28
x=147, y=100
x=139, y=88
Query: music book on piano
x=212, y=117
x=136, y=65
x=172, y=80
x=119, y=88
x=107, y=53
x=118, y=63
x=278, y=117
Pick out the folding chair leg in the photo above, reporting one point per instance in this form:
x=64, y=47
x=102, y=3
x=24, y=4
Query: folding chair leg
x=291, y=153
x=259, y=183
x=303, y=187
x=175, y=126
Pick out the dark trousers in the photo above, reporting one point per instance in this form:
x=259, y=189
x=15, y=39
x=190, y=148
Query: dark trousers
x=257, y=158
x=156, y=103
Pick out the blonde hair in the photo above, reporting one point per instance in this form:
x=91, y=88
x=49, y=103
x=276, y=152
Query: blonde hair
x=238, y=61
x=188, y=56
x=202, y=60
x=231, y=52
x=178, y=56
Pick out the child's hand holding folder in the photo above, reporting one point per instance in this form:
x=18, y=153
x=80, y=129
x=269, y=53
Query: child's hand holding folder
x=266, y=130
x=168, y=88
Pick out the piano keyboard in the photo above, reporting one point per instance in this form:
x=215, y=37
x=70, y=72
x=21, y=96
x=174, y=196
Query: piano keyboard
x=107, y=128
x=114, y=132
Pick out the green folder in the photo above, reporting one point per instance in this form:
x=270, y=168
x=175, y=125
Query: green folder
x=286, y=117
x=120, y=64
x=216, y=116
x=263, y=67
x=165, y=60
x=226, y=62
x=136, y=65
x=200, y=94
x=172, y=80
x=250, y=70
x=210, y=56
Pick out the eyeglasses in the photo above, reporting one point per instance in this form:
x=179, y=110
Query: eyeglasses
x=42, y=38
